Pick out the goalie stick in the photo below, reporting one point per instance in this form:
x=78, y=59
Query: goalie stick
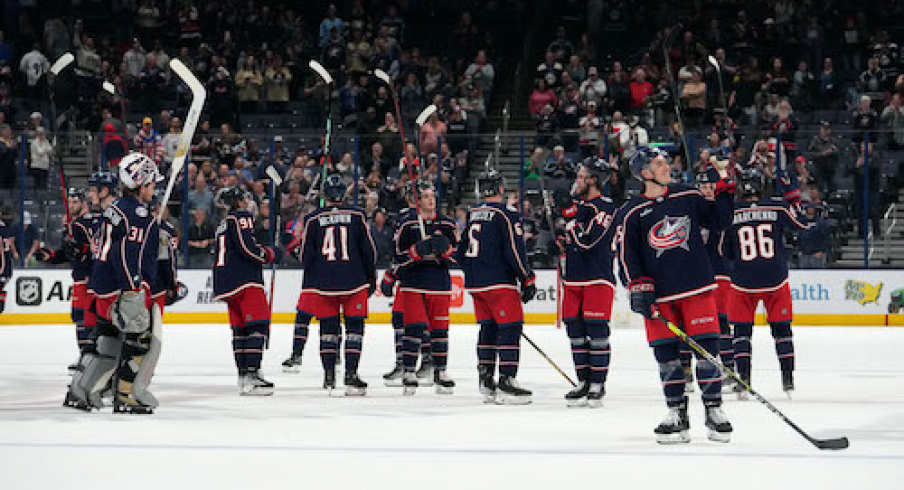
x=199, y=94
x=833, y=443
x=325, y=157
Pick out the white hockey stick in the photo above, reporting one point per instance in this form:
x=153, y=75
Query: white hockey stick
x=321, y=71
x=199, y=94
x=61, y=63
x=424, y=115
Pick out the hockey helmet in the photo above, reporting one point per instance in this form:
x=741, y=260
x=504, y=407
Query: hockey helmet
x=136, y=170
x=642, y=157
x=424, y=185
x=710, y=176
x=230, y=197
x=598, y=168
x=489, y=182
x=334, y=188
x=76, y=193
x=103, y=178
x=751, y=183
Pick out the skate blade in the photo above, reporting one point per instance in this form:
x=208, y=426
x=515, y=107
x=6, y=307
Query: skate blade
x=489, y=397
x=579, y=403
x=349, y=391
x=392, y=383
x=445, y=390
x=743, y=396
x=291, y=369
x=409, y=390
x=132, y=410
x=723, y=437
x=682, y=437
x=424, y=382
x=503, y=399
x=788, y=393
x=257, y=392
x=594, y=403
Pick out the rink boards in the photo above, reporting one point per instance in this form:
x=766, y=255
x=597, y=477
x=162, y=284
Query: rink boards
x=830, y=297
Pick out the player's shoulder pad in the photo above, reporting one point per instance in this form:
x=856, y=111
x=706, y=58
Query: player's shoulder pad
x=141, y=211
x=113, y=214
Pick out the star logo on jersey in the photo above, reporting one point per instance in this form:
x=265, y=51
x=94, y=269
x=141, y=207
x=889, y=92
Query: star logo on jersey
x=670, y=233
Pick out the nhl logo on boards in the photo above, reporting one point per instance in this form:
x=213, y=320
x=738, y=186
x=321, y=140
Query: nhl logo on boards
x=670, y=233
x=29, y=291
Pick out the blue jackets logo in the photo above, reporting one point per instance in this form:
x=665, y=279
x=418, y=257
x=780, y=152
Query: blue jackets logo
x=29, y=291
x=670, y=233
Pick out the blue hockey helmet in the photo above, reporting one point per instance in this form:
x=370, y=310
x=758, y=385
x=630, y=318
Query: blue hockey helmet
x=334, y=188
x=230, y=197
x=76, y=193
x=642, y=157
x=103, y=178
x=489, y=182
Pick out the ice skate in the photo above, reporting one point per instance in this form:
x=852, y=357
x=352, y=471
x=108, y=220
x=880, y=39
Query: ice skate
x=728, y=384
x=487, y=384
x=409, y=383
x=674, y=429
x=72, y=401
x=688, y=380
x=329, y=379
x=292, y=365
x=253, y=384
x=509, y=392
x=443, y=383
x=425, y=372
x=788, y=383
x=354, y=386
x=740, y=391
x=394, y=377
x=578, y=396
x=595, y=395
x=718, y=424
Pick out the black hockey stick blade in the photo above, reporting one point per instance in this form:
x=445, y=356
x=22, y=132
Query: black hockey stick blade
x=833, y=444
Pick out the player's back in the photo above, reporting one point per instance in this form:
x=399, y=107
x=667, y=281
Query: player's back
x=338, y=253
x=127, y=248
x=588, y=253
x=491, y=251
x=239, y=258
x=82, y=232
x=756, y=243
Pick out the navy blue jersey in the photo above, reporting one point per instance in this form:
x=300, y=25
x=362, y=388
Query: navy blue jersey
x=166, y=259
x=662, y=240
x=755, y=243
x=423, y=274
x=491, y=251
x=588, y=247
x=715, y=247
x=337, y=252
x=80, y=231
x=239, y=258
x=6, y=254
x=127, y=248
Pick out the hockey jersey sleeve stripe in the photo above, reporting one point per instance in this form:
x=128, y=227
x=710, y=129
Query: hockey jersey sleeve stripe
x=122, y=249
x=511, y=238
x=621, y=252
x=260, y=256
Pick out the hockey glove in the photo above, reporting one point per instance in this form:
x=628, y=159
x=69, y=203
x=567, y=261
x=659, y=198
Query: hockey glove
x=725, y=185
x=528, y=289
x=643, y=297
x=421, y=249
x=2, y=301
x=44, y=254
x=789, y=193
x=371, y=287
x=439, y=245
x=388, y=283
x=171, y=297
x=274, y=254
x=74, y=252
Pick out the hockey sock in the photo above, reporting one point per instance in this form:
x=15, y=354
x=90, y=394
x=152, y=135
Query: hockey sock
x=509, y=349
x=600, y=351
x=411, y=344
x=353, y=342
x=82, y=333
x=302, y=320
x=726, y=344
x=742, y=349
x=439, y=344
x=487, y=340
x=255, y=340
x=784, y=345
x=671, y=373
x=580, y=347
x=329, y=342
x=398, y=328
x=709, y=379
x=238, y=348
x=685, y=354
x=425, y=344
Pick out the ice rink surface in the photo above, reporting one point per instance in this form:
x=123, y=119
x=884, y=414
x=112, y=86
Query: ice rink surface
x=850, y=381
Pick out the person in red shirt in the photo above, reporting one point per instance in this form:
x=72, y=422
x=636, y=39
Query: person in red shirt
x=641, y=89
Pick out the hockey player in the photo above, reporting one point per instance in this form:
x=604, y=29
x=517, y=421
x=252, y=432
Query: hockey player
x=165, y=289
x=425, y=287
x=102, y=191
x=302, y=323
x=761, y=273
x=339, y=260
x=238, y=280
x=670, y=278
x=128, y=329
x=76, y=249
x=589, y=283
x=492, y=256
x=6, y=261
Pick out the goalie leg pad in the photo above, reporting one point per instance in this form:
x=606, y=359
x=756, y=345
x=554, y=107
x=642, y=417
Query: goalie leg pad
x=148, y=363
x=95, y=368
x=130, y=312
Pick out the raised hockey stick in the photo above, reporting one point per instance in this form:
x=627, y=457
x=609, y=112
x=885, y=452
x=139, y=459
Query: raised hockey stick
x=328, y=80
x=384, y=77
x=834, y=443
x=59, y=65
x=673, y=87
x=198, y=94
x=277, y=181
x=560, y=266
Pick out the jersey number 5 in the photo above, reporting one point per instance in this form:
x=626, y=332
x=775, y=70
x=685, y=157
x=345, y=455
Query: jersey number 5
x=756, y=242
x=473, y=242
x=329, y=247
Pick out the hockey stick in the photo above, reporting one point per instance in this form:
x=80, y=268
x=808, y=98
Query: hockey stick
x=325, y=157
x=547, y=204
x=277, y=181
x=59, y=65
x=199, y=94
x=834, y=443
x=384, y=77
x=666, y=45
x=551, y=362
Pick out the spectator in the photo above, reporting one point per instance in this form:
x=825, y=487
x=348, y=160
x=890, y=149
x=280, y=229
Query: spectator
x=376, y=159
x=777, y=81
x=852, y=43
x=435, y=78
x=550, y=70
x=200, y=240
x=784, y=124
x=151, y=81
x=292, y=202
x=561, y=45
x=873, y=80
x=641, y=91
x=201, y=196
x=893, y=117
x=41, y=154
x=575, y=69
x=134, y=59
x=87, y=59
x=33, y=66
x=865, y=120
x=867, y=151
x=541, y=97
x=547, y=125
x=693, y=97
x=170, y=141
x=803, y=85
x=593, y=88
x=412, y=99
x=357, y=52
x=148, y=141
x=221, y=98
x=828, y=87
x=482, y=73
x=590, y=126
x=559, y=170
x=814, y=243
x=389, y=138
x=330, y=22
x=474, y=105
x=383, y=238
x=9, y=158
x=804, y=172
x=26, y=239
x=746, y=86
x=277, y=78
x=249, y=82
x=262, y=229
x=618, y=88
x=430, y=132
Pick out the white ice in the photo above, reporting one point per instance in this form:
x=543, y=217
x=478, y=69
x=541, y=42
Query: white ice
x=850, y=381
